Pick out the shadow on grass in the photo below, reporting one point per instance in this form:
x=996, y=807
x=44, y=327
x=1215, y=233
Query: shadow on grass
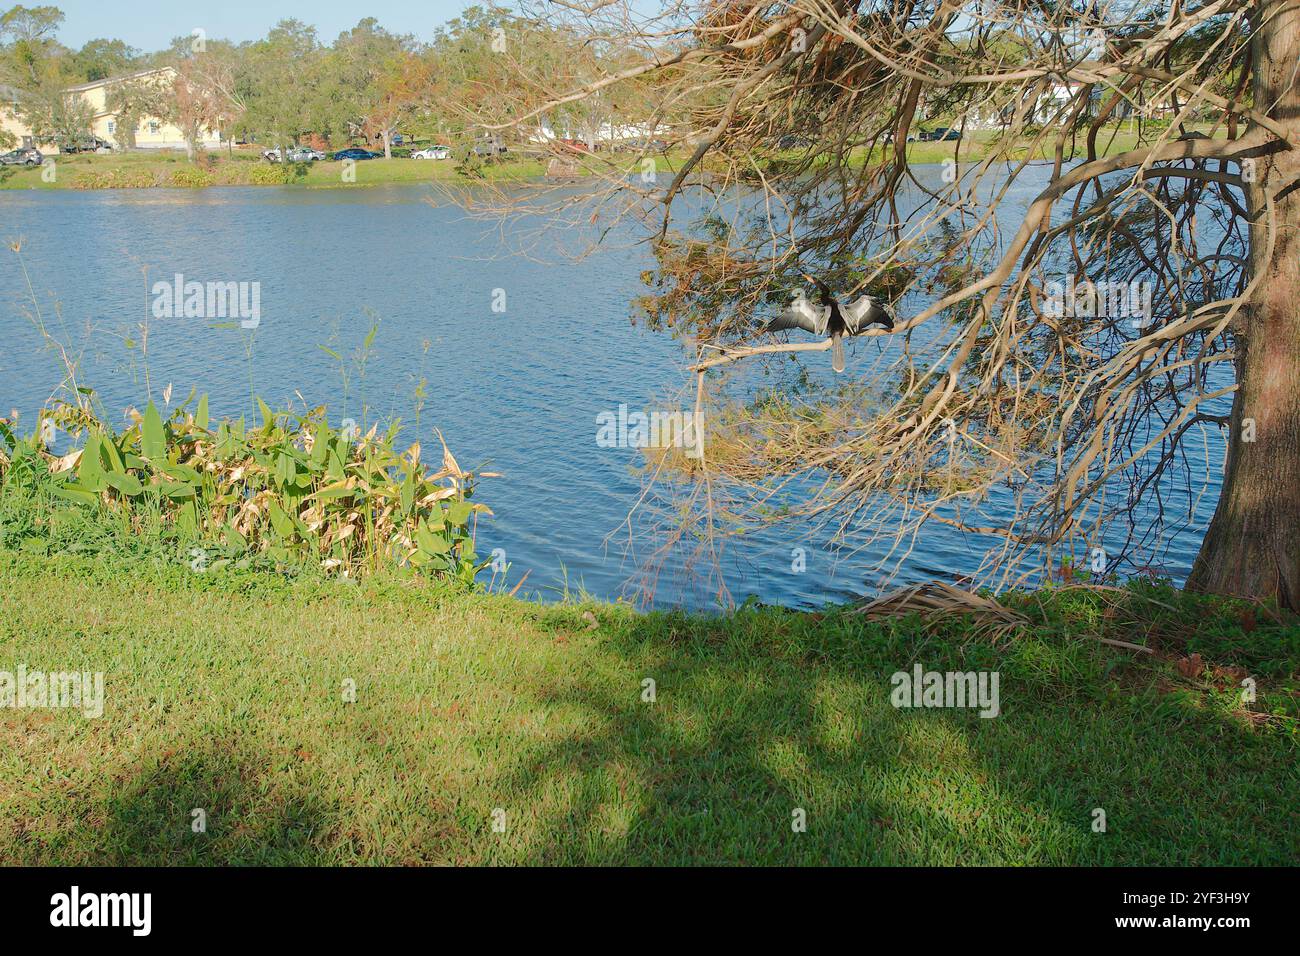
x=719, y=768
x=217, y=805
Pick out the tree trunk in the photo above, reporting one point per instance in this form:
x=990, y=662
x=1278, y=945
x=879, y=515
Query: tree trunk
x=1252, y=547
x=388, y=145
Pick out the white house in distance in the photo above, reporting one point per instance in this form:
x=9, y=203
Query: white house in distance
x=151, y=133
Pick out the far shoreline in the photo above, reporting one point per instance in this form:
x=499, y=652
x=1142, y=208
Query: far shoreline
x=172, y=170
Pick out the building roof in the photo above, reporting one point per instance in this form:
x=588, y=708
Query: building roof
x=108, y=81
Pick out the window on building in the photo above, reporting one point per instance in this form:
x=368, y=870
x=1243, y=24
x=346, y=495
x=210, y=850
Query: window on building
x=153, y=128
x=112, y=127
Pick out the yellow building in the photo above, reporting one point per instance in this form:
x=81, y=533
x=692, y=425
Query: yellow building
x=151, y=133
x=9, y=121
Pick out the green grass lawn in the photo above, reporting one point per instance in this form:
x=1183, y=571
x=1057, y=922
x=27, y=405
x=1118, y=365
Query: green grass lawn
x=225, y=692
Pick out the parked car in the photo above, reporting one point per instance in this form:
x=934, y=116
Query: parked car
x=793, y=142
x=432, y=152
x=92, y=145
x=942, y=134
x=296, y=154
x=645, y=146
x=489, y=146
x=27, y=156
x=356, y=152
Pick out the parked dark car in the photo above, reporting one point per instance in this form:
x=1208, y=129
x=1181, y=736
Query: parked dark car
x=92, y=145
x=356, y=152
x=793, y=142
x=27, y=156
x=942, y=134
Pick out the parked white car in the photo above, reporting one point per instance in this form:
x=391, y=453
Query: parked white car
x=432, y=152
x=297, y=154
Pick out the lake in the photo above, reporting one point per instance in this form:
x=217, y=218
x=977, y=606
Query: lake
x=517, y=390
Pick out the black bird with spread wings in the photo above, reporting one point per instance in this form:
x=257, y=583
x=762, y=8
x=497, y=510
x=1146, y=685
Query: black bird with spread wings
x=828, y=317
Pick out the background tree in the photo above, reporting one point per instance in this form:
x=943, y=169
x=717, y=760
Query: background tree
x=402, y=90
x=28, y=46
x=370, y=80
x=105, y=59
x=58, y=117
x=280, y=80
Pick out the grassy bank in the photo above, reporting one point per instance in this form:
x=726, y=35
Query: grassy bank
x=173, y=170
x=224, y=692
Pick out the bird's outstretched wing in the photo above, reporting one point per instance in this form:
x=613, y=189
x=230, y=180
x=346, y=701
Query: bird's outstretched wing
x=866, y=311
x=801, y=314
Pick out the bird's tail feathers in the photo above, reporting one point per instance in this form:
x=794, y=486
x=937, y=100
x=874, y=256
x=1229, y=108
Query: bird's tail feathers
x=837, y=353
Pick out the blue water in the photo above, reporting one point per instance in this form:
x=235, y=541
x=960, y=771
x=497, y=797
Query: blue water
x=517, y=391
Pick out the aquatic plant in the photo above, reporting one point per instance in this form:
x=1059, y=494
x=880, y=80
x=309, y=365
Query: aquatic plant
x=291, y=490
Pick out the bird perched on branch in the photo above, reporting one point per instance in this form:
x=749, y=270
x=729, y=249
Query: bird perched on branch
x=828, y=317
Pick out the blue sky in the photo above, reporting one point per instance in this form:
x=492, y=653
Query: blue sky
x=151, y=24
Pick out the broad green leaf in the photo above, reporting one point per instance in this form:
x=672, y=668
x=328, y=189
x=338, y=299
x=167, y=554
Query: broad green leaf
x=176, y=490
x=180, y=472
x=112, y=457
x=280, y=521
x=431, y=543
x=320, y=445
x=330, y=492
x=458, y=512
x=75, y=493
x=334, y=469
x=90, y=470
x=153, y=437
x=129, y=485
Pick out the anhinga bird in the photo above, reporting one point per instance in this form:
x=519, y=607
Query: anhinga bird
x=829, y=318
